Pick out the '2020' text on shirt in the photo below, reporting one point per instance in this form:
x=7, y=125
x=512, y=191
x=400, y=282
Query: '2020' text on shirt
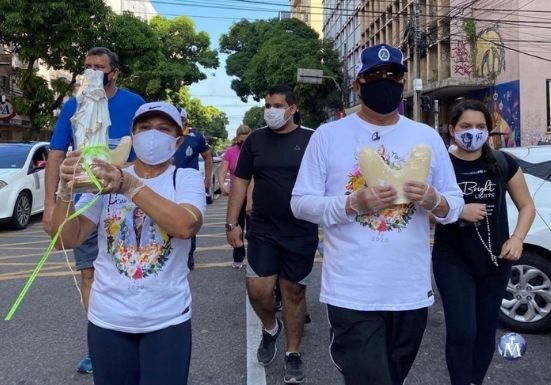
x=379, y=261
x=140, y=280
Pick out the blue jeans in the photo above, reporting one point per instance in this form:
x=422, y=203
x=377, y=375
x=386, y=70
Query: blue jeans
x=86, y=254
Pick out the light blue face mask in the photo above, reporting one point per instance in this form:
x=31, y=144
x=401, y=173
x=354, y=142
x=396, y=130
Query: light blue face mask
x=472, y=139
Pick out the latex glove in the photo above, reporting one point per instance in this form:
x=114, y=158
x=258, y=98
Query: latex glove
x=474, y=212
x=372, y=199
x=115, y=180
x=70, y=167
x=422, y=194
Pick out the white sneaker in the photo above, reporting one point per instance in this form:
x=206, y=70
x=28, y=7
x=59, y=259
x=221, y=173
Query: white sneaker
x=237, y=265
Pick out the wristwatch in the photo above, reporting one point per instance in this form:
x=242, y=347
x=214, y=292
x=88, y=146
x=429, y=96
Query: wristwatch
x=231, y=226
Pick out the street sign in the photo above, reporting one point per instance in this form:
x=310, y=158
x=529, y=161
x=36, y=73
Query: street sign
x=308, y=75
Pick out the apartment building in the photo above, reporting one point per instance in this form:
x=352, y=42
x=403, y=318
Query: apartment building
x=309, y=11
x=497, y=51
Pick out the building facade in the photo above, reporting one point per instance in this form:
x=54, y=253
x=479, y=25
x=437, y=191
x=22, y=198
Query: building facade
x=497, y=51
x=309, y=11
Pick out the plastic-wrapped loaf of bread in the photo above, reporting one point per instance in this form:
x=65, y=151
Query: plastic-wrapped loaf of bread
x=119, y=154
x=377, y=173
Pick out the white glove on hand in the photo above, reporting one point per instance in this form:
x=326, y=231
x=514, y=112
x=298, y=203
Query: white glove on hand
x=115, y=180
x=422, y=194
x=372, y=199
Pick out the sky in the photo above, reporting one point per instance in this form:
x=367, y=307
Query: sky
x=216, y=18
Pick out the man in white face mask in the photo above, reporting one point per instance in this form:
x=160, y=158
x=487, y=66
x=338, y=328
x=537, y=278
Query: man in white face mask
x=279, y=245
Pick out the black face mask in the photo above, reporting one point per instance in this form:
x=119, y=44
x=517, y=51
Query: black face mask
x=382, y=95
x=106, y=78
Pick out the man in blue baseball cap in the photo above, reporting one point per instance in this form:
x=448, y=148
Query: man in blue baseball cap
x=376, y=278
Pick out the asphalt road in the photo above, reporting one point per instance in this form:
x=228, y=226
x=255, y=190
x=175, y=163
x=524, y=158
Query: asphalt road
x=42, y=344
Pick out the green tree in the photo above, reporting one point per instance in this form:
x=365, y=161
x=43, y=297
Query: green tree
x=264, y=53
x=254, y=117
x=155, y=59
x=183, y=52
x=56, y=34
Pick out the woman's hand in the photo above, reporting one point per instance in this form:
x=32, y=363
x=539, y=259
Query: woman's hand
x=474, y=212
x=70, y=167
x=512, y=249
x=224, y=189
x=110, y=177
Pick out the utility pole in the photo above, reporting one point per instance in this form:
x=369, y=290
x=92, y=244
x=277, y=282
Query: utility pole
x=417, y=82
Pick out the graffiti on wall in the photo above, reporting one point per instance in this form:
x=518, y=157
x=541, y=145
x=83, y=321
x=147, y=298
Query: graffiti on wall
x=503, y=101
x=487, y=59
x=461, y=56
x=490, y=53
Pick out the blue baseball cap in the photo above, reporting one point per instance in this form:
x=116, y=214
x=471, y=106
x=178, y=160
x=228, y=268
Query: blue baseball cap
x=379, y=55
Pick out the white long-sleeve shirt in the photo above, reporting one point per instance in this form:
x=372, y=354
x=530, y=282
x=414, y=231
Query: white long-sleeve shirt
x=379, y=261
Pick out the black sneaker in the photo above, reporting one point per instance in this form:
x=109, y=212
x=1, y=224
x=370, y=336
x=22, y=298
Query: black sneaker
x=293, y=369
x=267, y=349
x=307, y=319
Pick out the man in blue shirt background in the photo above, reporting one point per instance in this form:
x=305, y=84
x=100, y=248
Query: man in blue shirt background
x=122, y=105
x=187, y=156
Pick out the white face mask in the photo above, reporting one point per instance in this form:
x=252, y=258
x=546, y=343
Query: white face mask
x=472, y=139
x=275, y=117
x=154, y=147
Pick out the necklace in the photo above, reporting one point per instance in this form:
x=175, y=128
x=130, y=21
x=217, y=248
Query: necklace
x=488, y=246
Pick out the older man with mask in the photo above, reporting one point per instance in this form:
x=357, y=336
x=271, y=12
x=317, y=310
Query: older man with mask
x=376, y=277
x=278, y=243
x=122, y=105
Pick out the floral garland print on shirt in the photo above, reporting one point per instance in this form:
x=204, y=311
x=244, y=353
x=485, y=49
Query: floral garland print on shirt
x=389, y=219
x=138, y=246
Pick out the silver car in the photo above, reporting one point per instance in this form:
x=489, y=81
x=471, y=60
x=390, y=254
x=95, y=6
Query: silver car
x=526, y=306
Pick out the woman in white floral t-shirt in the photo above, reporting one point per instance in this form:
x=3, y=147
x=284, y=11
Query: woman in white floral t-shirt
x=139, y=329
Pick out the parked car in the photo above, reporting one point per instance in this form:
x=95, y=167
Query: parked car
x=526, y=306
x=214, y=185
x=21, y=181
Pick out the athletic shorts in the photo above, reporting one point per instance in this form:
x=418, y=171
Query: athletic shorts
x=291, y=258
x=86, y=254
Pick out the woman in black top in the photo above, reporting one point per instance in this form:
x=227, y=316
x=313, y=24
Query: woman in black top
x=472, y=257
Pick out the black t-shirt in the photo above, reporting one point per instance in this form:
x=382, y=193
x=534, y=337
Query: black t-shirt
x=273, y=160
x=459, y=241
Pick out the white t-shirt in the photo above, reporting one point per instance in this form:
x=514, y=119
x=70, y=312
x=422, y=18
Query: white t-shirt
x=379, y=261
x=140, y=281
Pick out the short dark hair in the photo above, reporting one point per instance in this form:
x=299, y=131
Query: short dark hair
x=113, y=57
x=282, y=89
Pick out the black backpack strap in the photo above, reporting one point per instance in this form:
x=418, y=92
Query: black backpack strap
x=174, y=177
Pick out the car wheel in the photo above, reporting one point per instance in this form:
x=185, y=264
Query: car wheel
x=22, y=211
x=526, y=306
